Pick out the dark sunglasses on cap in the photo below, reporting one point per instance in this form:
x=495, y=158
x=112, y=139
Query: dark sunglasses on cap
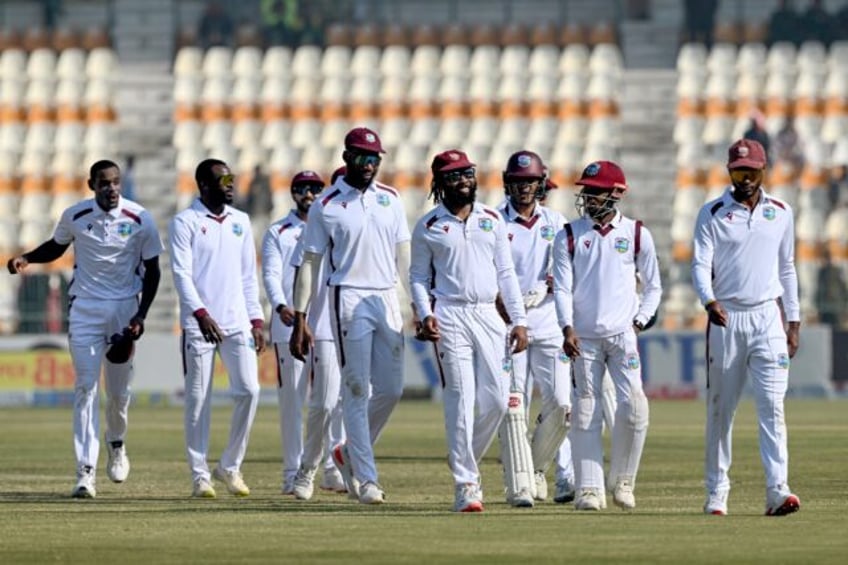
x=360, y=160
x=456, y=176
x=302, y=189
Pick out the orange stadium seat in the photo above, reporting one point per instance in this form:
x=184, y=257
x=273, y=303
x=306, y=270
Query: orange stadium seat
x=514, y=33
x=394, y=33
x=366, y=34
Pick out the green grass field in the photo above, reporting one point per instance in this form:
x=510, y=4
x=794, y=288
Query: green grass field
x=152, y=519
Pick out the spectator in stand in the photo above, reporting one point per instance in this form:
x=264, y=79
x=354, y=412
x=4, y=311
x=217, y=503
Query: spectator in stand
x=312, y=32
x=128, y=182
x=258, y=202
x=831, y=293
x=281, y=22
x=817, y=24
x=787, y=146
x=699, y=18
x=784, y=24
x=757, y=132
x=216, y=27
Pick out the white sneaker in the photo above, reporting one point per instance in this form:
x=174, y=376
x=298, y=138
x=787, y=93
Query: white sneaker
x=589, y=499
x=304, y=484
x=521, y=499
x=622, y=494
x=288, y=485
x=716, y=503
x=564, y=491
x=332, y=480
x=342, y=461
x=203, y=489
x=541, y=485
x=86, y=483
x=118, y=465
x=780, y=501
x=233, y=480
x=371, y=493
x=468, y=498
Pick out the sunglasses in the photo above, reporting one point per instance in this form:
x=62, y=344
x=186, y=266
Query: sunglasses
x=742, y=175
x=226, y=180
x=366, y=160
x=302, y=189
x=456, y=176
x=522, y=183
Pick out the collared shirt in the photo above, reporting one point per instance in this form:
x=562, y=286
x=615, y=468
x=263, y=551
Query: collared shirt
x=531, y=241
x=463, y=261
x=595, y=276
x=745, y=257
x=277, y=273
x=109, y=247
x=360, y=230
x=213, y=260
x=318, y=314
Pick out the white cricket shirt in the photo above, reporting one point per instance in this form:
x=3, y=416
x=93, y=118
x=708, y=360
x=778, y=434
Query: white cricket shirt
x=531, y=241
x=360, y=230
x=109, y=248
x=277, y=273
x=213, y=260
x=318, y=313
x=595, y=288
x=742, y=257
x=463, y=261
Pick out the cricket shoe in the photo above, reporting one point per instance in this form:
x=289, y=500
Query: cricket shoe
x=541, y=485
x=203, y=489
x=118, y=465
x=371, y=493
x=564, y=491
x=233, y=480
x=304, y=483
x=522, y=499
x=85, y=487
x=780, y=501
x=332, y=480
x=622, y=494
x=590, y=499
x=468, y=498
x=342, y=460
x=288, y=485
x=716, y=503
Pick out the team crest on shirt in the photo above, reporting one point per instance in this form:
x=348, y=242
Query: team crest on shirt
x=486, y=224
x=238, y=230
x=622, y=244
x=124, y=229
x=383, y=199
x=783, y=361
x=769, y=213
x=632, y=361
x=548, y=232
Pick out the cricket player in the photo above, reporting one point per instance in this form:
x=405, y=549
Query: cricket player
x=213, y=260
x=596, y=258
x=361, y=224
x=460, y=260
x=116, y=257
x=743, y=270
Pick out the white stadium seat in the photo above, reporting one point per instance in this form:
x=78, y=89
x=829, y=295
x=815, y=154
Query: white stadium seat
x=277, y=62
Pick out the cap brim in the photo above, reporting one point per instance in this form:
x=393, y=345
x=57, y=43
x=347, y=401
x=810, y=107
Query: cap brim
x=523, y=176
x=458, y=165
x=368, y=148
x=599, y=184
x=746, y=164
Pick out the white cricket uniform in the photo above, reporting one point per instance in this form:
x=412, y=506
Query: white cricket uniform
x=457, y=268
x=595, y=292
x=213, y=260
x=360, y=231
x=278, y=247
x=109, y=248
x=323, y=368
x=544, y=363
x=745, y=259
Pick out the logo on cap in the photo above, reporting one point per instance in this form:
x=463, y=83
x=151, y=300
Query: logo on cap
x=369, y=137
x=453, y=156
x=742, y=151
x=524, y=161
x=592, y=170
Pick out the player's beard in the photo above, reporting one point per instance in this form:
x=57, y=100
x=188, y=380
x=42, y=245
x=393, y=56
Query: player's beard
x=455, y=199
x=303, y=206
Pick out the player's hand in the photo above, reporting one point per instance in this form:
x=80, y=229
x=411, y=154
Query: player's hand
x=210, y=330
x=429, y=330
x=258, y=339
x=301, y=340
x=793, y=338
x=499, y=304
x=717, y=314
x=286, y=316
x=16, y=265
x=518, y=339
x=570, y=342
x=136, y=326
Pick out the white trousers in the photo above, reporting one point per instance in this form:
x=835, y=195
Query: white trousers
x=368, y=331
x=620, y=355
x=292, y=386
x=474, y=363
x=239, y=357
x=91, y=323
x=753, y=345
x=323, y=403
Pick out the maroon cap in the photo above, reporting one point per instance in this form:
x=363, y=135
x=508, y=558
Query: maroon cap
x=603, y=174
x=525, y=164
x=450, y=160
x=340, y=172
x=746, y=153
x=363, y=139
x=307, y=177
x=550, y=185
